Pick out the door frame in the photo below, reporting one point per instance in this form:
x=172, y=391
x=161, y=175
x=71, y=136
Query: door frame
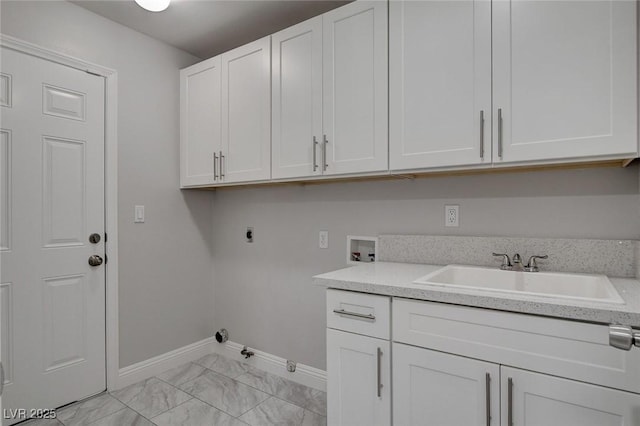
x=111, y=188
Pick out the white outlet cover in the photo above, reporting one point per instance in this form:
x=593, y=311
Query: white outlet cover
x=323, y=239
x=138, y=215
x=451, y=215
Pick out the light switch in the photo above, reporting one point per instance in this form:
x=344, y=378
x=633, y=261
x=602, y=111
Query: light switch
x=138, y=216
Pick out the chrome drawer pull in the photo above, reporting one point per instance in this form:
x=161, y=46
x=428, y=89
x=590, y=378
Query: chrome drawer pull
x=354, y=314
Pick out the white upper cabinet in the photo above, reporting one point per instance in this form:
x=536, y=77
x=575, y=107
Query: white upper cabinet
x=564, y=79
x=297, y=100
x=246, y=113
x=355, y=101
x=439, y=83
x=199, y=122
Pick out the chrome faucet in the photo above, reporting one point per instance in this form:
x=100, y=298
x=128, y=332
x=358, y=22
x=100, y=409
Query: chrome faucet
x=532, y=266
x=517, y=263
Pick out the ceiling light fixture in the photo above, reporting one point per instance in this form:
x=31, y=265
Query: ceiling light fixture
x=153, y=5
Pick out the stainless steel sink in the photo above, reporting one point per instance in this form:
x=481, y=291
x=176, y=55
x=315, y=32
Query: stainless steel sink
x=585, y=287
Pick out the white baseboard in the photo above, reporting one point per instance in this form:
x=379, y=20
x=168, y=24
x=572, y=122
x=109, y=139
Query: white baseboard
x=158, y=364
x=304, y=374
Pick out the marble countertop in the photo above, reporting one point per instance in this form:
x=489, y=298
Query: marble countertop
x=396, y=279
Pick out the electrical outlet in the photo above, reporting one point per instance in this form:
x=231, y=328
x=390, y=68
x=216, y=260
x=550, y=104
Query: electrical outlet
x=451, y=215
x=323, y=239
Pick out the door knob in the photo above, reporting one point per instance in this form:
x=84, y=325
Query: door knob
x=95, y=260
x=94, y=238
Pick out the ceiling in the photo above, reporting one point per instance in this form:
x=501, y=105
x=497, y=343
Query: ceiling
x=206, y=28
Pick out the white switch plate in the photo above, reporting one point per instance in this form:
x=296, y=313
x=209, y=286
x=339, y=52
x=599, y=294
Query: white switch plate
x=452, y=215
x=138, y=215
x=323, y=239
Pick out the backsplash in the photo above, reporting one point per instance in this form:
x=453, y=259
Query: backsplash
x=614, y=258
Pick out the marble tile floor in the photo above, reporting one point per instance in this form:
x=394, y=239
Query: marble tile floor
x=212, y=390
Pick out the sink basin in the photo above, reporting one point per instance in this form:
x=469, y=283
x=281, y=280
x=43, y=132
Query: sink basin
x=596, y=288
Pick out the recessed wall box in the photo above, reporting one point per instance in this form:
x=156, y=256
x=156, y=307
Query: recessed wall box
x=361, y=249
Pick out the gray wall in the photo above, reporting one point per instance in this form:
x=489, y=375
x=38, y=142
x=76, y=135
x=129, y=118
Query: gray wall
x=263, y=290
x=165, y=263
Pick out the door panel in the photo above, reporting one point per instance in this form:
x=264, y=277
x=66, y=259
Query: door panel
x=355, y=88
x=200, y=115
x=440, y=82
x=246, y=112
x=54, y=338
x=540, y=400
x=64, y=186
x=297, y=100
x=565, y=79
x=352, y=380
x=448, y=390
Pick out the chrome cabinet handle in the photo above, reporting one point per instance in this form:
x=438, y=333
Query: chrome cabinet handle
x=324, y=152
x=488, y=397
x=499, y=132
x=510, y=402
x=482, y=135
x=215, y=164
x=379, y=390
x=315, y=145
x=354, y=314
x=221, y=166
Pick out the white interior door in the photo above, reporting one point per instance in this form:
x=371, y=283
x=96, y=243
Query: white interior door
x=439, y=83
x=52, y=199
x=564, y=79
x=355, y=85
x=296, y=70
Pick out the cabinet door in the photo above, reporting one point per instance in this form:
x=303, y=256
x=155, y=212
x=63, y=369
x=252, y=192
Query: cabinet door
x=199, y=122
x=439, y=83
x=246, y=112
x=297, y=100
x=533, y=399
x=355, y=88
x=564, y=79
x=441, y=389
x=356, y=366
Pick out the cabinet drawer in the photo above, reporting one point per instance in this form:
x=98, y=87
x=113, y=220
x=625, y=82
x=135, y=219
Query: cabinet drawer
x=564, y=348
x=359, y=313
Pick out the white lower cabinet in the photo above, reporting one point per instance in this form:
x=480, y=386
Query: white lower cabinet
x=358, y=380
x=455, y=365
x=533, y=399
x=436, y=388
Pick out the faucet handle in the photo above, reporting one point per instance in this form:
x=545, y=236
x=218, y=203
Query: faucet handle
x=506, y=262
x=532, y=266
